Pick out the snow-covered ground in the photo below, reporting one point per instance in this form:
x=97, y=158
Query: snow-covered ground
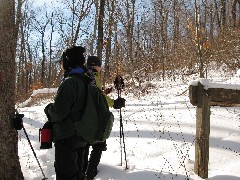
x=159, y=130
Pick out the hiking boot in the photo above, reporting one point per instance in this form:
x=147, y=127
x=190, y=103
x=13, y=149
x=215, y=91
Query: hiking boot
x=93, y=163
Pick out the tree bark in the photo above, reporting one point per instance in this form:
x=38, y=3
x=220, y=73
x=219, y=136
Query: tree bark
x=198, y=40
x=234, y=8
x=92, y=48
x=223, y=14
x=10, y=168
x=111, y=9
x=176, y=22
x=100, y=29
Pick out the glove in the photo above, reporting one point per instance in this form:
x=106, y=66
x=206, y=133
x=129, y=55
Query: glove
x=119, y=103
x=46, y=110
x=108, y=90
x=17, y=121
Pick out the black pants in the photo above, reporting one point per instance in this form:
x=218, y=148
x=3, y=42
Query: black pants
x=69, y=158
x=90, y=165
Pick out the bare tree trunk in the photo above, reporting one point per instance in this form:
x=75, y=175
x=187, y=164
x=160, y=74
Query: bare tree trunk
x=156, y=44
x=164, y=39
x=73, y=19
x=176, y=22
x=43, y=60
x=223, y=14
x=50, y=55
x=100, y=29
x=129, y=28
x=111, y=7
x=30, y=67
x=239, y=13
x=234, y=9
x=92, y=49
x=198, y=40
x=41, y=27
x=211, y=23
x=18, y=19
x=10, y=168
x=20, y=74
x=23, y=82
x=234, y=3
x=116, y=48
x=218, y=17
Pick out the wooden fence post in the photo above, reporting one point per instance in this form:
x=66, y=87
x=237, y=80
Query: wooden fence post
x=202, y=133
x=204, y=99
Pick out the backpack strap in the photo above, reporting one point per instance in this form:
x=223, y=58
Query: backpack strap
x=84, y=78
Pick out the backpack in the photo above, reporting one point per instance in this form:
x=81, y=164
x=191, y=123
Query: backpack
x=96, y=121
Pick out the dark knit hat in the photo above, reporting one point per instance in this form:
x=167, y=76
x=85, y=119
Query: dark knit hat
x=93, y=61
x=73, y=57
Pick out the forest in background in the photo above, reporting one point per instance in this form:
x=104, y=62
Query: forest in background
x=134, y=38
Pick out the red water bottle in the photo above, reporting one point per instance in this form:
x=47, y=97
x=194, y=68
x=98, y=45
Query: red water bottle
x=46, y=136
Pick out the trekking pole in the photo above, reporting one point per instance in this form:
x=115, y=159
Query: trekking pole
x=44, y=177
x=119, y=84
x=25, y=132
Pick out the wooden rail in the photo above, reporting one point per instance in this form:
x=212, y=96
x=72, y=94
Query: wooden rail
x=203, y=98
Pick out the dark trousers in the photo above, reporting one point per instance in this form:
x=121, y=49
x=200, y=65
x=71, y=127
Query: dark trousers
x=90, y=165
x=69, y=158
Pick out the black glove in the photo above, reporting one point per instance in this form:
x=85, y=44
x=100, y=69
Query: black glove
x=119, y=103
x=17, y=121
x=46, y=110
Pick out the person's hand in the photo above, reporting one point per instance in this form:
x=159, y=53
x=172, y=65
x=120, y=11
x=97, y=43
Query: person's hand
x=119, y=103
x=46, y=110
x=108, y=90
x=17, y=121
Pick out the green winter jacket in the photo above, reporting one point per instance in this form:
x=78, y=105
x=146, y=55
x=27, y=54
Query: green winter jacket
x=67, y=107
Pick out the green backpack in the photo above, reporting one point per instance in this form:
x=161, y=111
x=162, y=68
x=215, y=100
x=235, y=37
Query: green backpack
x=96, y=121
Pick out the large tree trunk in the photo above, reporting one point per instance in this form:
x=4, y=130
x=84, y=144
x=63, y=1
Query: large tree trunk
x=234, y=8
x=10, y=168
x=198, y=40
x=111, y=9
x=92, y=48
x=223, y=13
x=176, y=28
x=100, y=29
x=43, y=60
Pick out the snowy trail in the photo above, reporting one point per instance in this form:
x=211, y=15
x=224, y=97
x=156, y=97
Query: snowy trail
x=159, y=131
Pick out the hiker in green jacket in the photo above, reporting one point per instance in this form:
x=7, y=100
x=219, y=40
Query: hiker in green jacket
x=90, y=165
x=69, y=101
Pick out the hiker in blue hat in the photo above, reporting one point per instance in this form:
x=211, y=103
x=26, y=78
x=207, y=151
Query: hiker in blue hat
x=69, y=101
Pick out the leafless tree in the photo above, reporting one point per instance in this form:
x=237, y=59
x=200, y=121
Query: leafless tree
x=234, y=9
x=108, y=41
x=167, y=37
x=100, y=29
x=10, y=168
